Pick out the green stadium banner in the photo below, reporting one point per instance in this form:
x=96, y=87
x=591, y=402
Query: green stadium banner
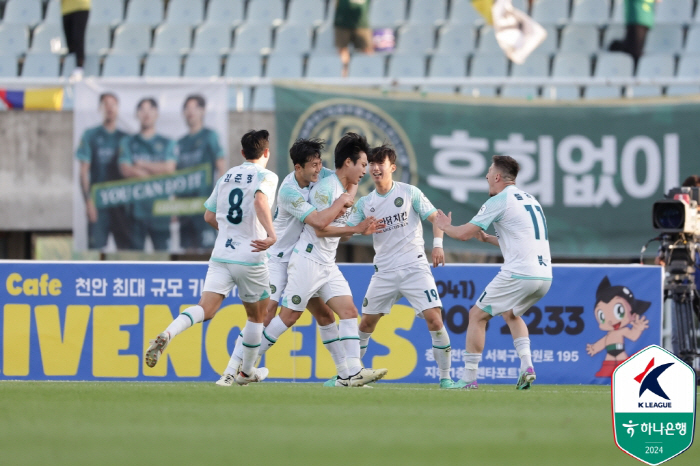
x=596, y=169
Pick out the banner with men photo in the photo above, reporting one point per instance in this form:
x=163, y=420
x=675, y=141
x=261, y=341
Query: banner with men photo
x=596, y=169
x=146, y=158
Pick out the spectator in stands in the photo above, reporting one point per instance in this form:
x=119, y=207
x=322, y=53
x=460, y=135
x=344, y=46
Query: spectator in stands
x=75, y=17
x=639, y=16
x=351, y=24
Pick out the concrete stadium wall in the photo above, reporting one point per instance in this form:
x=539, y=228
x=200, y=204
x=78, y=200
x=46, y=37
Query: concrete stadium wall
x=36, y=166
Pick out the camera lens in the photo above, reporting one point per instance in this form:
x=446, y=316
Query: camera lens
x=669, y=215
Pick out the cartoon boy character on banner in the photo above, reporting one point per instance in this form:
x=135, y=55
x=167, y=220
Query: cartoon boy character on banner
x=619, y=314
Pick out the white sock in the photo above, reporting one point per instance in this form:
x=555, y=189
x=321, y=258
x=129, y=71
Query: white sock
x=271, y=333
x=364, y=342
x=350, y=339
x=236, y=357
x=442, y=351
x=471, y=365
x=191, y=315
x=331, y=340
x=252, y=335
x=522, y=346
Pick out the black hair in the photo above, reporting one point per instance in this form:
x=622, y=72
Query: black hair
x=507, y=165
x=254, y=143
x=104, y=95
x=305, y=150
x=606, y=292
x=201, y=103
x=150, y=100
x=381, y=153
x=349, y=147
x=692, y=181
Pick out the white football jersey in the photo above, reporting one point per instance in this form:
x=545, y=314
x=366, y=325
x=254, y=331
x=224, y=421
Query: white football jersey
x=400, y=244
x=292, y=208
x=322, y=196
x=522, y=232
x=232, y=200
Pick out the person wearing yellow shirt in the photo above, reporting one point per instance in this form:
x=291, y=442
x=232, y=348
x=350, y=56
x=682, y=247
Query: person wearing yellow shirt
x=75, y=17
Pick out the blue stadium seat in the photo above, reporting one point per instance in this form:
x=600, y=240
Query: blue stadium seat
x=212, y=37
x=14, y=39
x=456, y=39
x=189, y=12
x=91, y=66
x=148, y=12
x=688, y=67
x=692, y=42
x=162, y=65
x=106, y=12
x=447, y=66
x=41, y=65
x=263, y=98
x=366, y=66
x=265, y=12
x=251, y=38
x=387, y=13
x=427, y=11
x=293, y=39
x=673, y=12
x=8, y=66
x=613, y=32
x=484, y=66
x=550, y=11
x=43, y=35
x=243, y=66
x=284, y=66
x=324, y=43
x=324, y=66
x=132, y=39
x=121, y=66
x=171, y=38
x=595, y=12
x=568, y=65
x=406, y=66
x=579, y=39
x=618, y=12
x=415, y=39
x=462, y=12
x=202, y=66
x=26, y=12
x=306, y=12
x=97, y=37
x=488, y=42
x=536, y=66
x=550, y=44
x=53, y=12
x=226, y=12
x=666, y=38
x=233, y=96
x=610, y=65
x=652, y=66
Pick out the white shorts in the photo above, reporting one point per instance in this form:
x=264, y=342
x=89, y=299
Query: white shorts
x=416, y=283
x=307, y=279
x=253, y=281
x=505, y=293
x=278, y=279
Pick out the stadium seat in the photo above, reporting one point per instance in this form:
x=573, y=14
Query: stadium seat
x=618, y=12
x=26, y=12
x=41, y=65
x=284, y=66
x=132, y=39
x=613, y=32
x=462, y=12
x=293, y=39
x=211, y=37
x=387, y=13
x=200, y=65
x=366, y=66
x=305, y=12
x=14, y=39
x=106, y=12
x=594, y=12
x=579, y=39
x=189, y=12
x=609, y=65
x=91, y=66
x=121, y=66
x=233, y=95
x=226, y=12
x=96, y=38
x=53, y=12
x=536, y=66
x=487, y=41
x=692, y=42
x=550, y=43
x=8, y=66
x=673, y=12
x=456, y=39
x=445, y=66
x=324, y=41
x=666, y=38
x=265, y=12
x=568, y=65
x=483, y=66
x=324, y=66
x=171, y=38
x=652, y=66
x=251, y=38
x=427, y=12
x=162, y=65
x=415, y=39
x=243, y=66
x=43, y=35
x=263, y=98
x=148, y=12
x=406, y=66
x=688, y=67
x=550, y=11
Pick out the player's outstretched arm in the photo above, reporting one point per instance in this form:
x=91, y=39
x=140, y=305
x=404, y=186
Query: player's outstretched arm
x=368, y=226
x=210, y=218
x=462, y=232
x=486, y=238
x=262, y=210
x=438, y=253
x=321, y=219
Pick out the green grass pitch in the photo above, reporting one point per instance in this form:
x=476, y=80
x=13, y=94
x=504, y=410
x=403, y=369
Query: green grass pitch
x=111, y=423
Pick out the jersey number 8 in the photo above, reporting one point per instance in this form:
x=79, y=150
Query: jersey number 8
x=235, y=213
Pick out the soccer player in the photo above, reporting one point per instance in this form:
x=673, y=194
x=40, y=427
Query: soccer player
x=144, y=155
x=526, y=274
x=240, y=209
x=400, y=263
x=97, y=154
x=199, y=146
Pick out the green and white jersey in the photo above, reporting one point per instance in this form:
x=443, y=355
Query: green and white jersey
x=233, y=202
x=400, y=244
x=322, y=196
x=199, y=148
x=100, y=148
x=156, y=149
x=292, y=208
x=522, y=233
